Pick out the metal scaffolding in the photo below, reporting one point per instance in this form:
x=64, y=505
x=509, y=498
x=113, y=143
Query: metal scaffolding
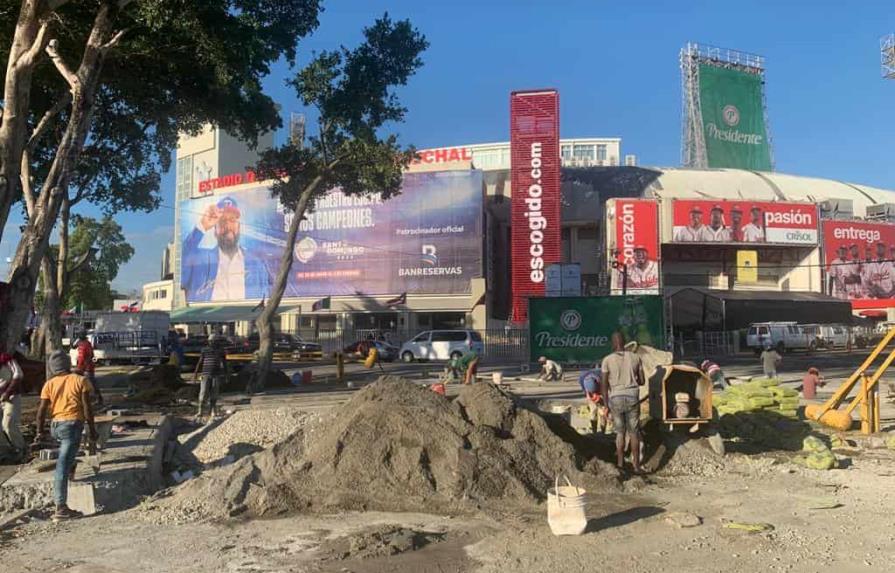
x=693, y=150
x=887, y=56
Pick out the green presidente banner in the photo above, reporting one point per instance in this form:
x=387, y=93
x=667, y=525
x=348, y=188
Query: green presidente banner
x=578, y=329
x=733, y=119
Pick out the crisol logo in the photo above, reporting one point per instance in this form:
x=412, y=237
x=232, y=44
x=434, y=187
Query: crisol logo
x=731, y=115
x=570, y=320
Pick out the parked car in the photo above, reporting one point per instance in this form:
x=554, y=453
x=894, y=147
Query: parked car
x=387, y=352
x=441, y=345
x=781, y=335
x=285, y=342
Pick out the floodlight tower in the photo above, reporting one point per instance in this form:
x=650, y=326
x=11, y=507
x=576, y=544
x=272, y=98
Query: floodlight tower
x=887, y=56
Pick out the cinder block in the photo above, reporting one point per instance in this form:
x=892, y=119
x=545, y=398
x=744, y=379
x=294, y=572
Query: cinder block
x=81, y=498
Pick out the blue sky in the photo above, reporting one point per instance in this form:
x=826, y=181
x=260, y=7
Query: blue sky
x=616, y=67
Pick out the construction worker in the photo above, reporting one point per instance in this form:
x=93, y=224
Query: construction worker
x=810, y=382
x=469, y=365
x=11, y=378
x=770, y=360
x=621, y=381
x=66, y=398
x=714, y=372
x=212, y=364
x=589, y=380
x=85, y=365
x=550, y=370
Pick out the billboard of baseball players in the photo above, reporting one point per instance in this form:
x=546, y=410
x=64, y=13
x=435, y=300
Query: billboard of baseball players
x=721, y=221
x=636, y=250
x=859, y=257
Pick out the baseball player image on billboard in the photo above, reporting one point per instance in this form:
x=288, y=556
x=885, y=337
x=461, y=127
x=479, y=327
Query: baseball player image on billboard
x=644, y=273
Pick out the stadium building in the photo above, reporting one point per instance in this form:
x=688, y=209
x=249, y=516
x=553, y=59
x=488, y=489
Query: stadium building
x=439, y=255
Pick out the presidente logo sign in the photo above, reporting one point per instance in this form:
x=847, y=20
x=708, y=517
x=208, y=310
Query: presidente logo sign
x=723, y=221
x=579, y=329
x=733, y=118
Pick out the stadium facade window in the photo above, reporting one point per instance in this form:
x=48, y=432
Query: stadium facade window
x=601, y=152
x=566, y=151
x=584, y=152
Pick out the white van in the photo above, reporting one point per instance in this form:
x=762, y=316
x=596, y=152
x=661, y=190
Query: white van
x=781, y=335
x=442, y=345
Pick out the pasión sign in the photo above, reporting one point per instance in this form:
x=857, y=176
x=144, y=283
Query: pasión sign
x=579, y=329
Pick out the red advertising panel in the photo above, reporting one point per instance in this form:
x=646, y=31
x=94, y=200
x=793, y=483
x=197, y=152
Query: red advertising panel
x=858, y=258
x=716, y=221
x=535, y=220
x=637, y=243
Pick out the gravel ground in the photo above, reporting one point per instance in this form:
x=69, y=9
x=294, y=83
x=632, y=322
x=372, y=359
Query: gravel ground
x=246, y=431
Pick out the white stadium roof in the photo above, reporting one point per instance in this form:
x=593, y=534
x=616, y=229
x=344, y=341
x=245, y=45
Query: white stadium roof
x=762, y=186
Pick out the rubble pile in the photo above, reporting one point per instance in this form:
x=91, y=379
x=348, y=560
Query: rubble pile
x=397, y=446
x=248, y=431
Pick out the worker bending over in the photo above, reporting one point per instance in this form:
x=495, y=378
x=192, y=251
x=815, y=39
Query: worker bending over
x=550, y=370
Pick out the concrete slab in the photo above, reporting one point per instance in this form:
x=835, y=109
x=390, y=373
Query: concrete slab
x=81, y=498
x=131, y=467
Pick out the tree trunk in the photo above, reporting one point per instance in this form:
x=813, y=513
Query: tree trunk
x=264, y=322
x=51, y=323
x=27, y=44
x=35, y=239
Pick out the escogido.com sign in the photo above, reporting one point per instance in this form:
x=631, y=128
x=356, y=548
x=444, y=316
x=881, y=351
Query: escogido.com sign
x=720, y=221
x=579, y=329
x=535, y=207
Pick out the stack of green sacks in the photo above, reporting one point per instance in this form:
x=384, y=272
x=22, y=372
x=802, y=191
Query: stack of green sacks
x=762, y=394
x=819, y=455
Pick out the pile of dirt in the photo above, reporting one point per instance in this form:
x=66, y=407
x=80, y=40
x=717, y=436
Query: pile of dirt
x=382, y=541
x=398, y=446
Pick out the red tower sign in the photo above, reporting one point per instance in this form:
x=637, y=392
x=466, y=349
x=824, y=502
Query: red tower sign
x=535, y=221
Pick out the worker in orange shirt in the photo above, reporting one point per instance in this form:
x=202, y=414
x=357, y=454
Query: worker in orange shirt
x=86, y=366
x=66, y=398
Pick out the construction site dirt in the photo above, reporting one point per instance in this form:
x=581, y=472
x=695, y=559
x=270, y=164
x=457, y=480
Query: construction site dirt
x=394, y=477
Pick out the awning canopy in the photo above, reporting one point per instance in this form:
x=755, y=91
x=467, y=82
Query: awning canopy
x=220, y=313
x=715, y=310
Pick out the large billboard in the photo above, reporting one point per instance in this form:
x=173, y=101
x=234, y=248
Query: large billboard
x=535, y=207
x=737, y=222
x=858, y=259
x=733, y=122
x=578, y=329
x=426, y=240
x=635, y=247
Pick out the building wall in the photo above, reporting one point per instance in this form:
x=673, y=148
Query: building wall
x=158, y=295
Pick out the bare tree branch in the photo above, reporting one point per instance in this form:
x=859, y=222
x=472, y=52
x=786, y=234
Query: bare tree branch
x=115, y=40
x=72, y=78
x=44, y=124
x=30, y=56
x=25, y=177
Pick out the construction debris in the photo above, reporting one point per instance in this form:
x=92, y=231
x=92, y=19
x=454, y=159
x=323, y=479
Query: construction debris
x=397, y=446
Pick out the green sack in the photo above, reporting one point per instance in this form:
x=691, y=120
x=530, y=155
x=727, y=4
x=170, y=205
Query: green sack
x=821, y=460
x=789, y=413
x=814, y=444
x=788, y=403
x=761, y=402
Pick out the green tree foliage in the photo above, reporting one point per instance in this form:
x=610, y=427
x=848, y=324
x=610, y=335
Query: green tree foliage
x=353, y=93
x=90, y=286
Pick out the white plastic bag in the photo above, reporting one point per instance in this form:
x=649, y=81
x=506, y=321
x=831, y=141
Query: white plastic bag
x=566, y=509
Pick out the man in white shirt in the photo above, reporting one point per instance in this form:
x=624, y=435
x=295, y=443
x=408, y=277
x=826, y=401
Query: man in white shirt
x=644, y=273
x=716, y=230
x=215, y=265
x=881, y=283
x=695, y=232
x=838, y=270
x=736, y=224
x=753, y=232
x=853, y=272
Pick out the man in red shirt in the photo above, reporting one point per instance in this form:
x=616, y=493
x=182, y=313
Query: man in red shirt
x=85, y=364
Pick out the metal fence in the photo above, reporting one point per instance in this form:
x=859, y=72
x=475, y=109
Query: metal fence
x=500, y=344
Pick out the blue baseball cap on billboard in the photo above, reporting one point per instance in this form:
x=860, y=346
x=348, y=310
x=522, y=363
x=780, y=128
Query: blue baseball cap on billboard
x=227, y=203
